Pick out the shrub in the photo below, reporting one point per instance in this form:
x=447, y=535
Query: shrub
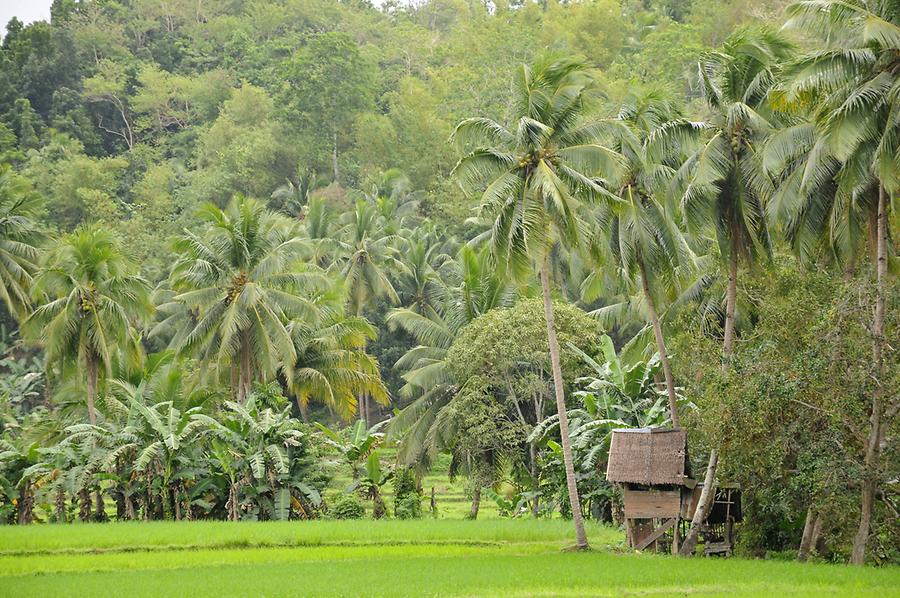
x=347, y=506
x=407, y=500
x=410, y=507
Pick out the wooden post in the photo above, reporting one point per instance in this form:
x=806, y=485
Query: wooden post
x=676, y=536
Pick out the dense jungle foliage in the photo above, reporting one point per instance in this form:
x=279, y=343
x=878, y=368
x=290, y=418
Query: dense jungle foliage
x=491, y=232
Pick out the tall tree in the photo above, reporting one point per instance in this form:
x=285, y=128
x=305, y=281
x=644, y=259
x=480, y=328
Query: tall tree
x=368, y=256
x=641, y=236
x=726, y=187
x=18, y=237
x=531, y=178
x=240, y=278
x=853, y=75
x=469, y=288
x=93, y=301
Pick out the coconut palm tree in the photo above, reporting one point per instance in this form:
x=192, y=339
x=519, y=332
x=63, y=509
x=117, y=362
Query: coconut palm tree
x=239, y=280
x=853, y=76
x=469, y=287
x=422, y=254
x=641, y=239
x=94, y=298
x=18, y=236
x=368, y=256
x=332, y=366
x=318, y=228
x=725, y=187
x=531, y=179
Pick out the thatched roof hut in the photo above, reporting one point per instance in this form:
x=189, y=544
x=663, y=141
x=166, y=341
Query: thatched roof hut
x=649, y=456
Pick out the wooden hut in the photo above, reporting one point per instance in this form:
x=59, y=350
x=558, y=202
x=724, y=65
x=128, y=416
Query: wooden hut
x=659, y=494
x=652, y=466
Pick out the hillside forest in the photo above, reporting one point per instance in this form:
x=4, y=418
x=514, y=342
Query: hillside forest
x=243, y=240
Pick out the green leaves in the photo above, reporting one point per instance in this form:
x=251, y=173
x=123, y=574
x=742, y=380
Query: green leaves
x=530, y=182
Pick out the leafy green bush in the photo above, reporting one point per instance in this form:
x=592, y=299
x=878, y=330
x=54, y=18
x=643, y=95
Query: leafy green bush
x=407, y=500
x=409, y=507
x=347, y=506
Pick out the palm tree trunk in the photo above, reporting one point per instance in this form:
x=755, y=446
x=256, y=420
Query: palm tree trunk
x=535, y=481
x=730, y=301
x=873, y=442
x=660, y=344
x=334, y=160
x=245, y=376
x=574, y=502
x=704, y=505
x=364, y=409
x=92, y=367
x=476, y=503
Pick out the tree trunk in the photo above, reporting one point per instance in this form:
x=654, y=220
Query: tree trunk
x=807, y=542
x=730, y=302
x=574, y=502
x=92, y=367
x=99, y=506
x=476, y=503
x=364, y=409
x=535, y=481
x=60, y=505
x=84, y=505
x=873, y=442
x=660, y=345
x=25, y=504
x=304, y=411
x=245, y=376
x=334, y=160
x=704, y=505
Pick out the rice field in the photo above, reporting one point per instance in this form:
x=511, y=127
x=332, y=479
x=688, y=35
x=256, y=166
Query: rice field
x=386, y=558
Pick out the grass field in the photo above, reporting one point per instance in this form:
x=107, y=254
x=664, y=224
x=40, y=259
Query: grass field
x=386, y=558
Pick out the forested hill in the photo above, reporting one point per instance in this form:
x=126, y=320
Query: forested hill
x=134, y=112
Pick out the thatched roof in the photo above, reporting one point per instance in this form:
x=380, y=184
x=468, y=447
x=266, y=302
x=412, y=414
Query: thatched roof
x=649, y=456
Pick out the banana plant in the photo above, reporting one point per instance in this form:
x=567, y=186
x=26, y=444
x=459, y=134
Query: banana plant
x=372, y=480
x=355, y=443
x=253, y=449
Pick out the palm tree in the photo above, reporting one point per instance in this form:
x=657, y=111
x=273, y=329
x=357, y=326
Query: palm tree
x=368, y=256
x=18, y=236
x=318, y=227
x=469, y=288
x=332, y=366
x=530, y=180
x=422, y=255
x=641, y=237
x=726, y=187
x=239, y=281
x=93, y=300
x=853, y=76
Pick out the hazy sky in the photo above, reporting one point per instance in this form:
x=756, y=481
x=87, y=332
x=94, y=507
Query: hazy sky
x=26, y=10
